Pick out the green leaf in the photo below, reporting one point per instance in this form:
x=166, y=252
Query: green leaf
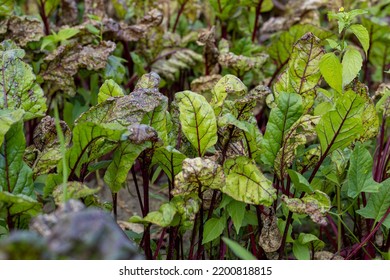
x=109, y=89
x=287, y=112
x=301, y=251
x=352, y=63
x=19, y=204
x=67, y=33
x=253, y=139
x=236, y=210
x=115, y=70
x=213, y=228
x=303, y=74
x=300, y=182
x=169, y=159
x=74, y=190
x=7, y=119
x=86, y=135
x=163, y=217
x=239, y=251
x=377, y=204
x=362, y=34
x=228, y=86
x=15, y=175
x=332, y=71
x=123, y=159
x=19, y=90
x=198, y=121
x=246, y=183
x=6, y=7
x=158, y=119
x=359, y=178
x=341, y=125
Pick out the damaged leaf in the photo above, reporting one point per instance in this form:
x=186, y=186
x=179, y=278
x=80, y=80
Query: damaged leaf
x=19, y=90
x=109, y=89
x=270, y=237
x=21, y=29
x=246, y=183
x=315, y=205
x=7, y=119
x=74, y=190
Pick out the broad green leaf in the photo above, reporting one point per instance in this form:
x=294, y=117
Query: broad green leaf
x=19, y=204
x=123, y=159
x=109, y=89
x=303, y=74
x=7, y=119
x=198, y=121
x=6, y=7
x=169, y=159
x=19, y=90
x=253, y=139
x=300, y=182
x=236, y=210
x=316, y=205
x=301, y=251
x=341, y=125
x=352, y=63
x=85, y=136
x=198, y=173
x=246, y=183
x=15, y=175
x=238, y=250
x=362, y=34
x=377, y=204
x=213, y=228
x=287, y=112
x=332, y=71
x=74, y=190
x=359, y=178
x=67, y=33
x=229, y=119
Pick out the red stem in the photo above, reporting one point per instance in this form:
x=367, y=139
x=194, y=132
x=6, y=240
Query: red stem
x=256, y=27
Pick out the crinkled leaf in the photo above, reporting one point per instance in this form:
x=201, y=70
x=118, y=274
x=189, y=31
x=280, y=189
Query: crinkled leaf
x=303, y=74
x=198, y=121
x=332, y=71
x=341, y=125
x=123, y=159
x=359, y=178
x=213, y=228
x=239, y=63
x=377, y=204
x=196, y=173
x=246, y=183
x=7, y=119
x=362, y=34
x=109, y=89
x=22, y=29
x=18, y=83
x=85, y=135
x=236, y=210
x=315, y=205
x=15, y=175
x=229, y=87
x=270, y=237
x=300, y=182
x=74, y=190
x=129, y=109
x=238, y=250
x=205, y=84
x=288, y=111
x=300, y=132
x=351, y=65
x=19, y=204
x=62, y=64
x=169, y=159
